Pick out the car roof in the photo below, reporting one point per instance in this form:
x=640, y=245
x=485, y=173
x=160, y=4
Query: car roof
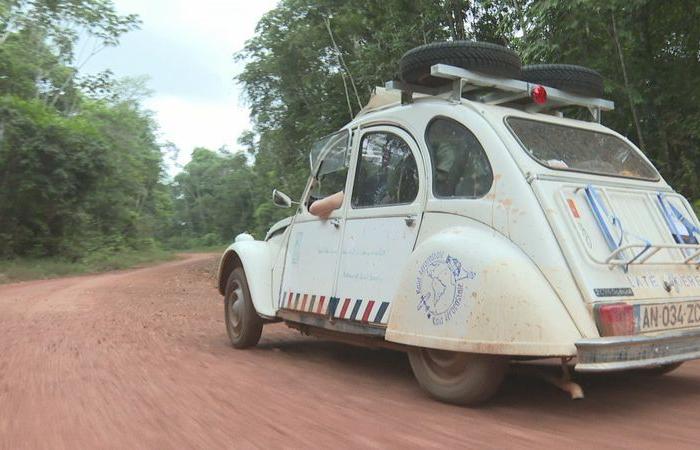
x=387, y=101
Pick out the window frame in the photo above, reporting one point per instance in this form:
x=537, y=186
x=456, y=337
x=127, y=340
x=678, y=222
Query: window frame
x=587, y=172
x=432, y=160
x=414, y=153
x=315, y=166
x=319, y=163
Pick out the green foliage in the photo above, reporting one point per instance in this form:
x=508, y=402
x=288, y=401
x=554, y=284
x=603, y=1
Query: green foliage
x=80, y=168
x=20, y=269
x=72, y=184
x=42, y=184
x=304, y=81
x=310, y=68
x=648, y=53
x=82, y=174
x=213, y=197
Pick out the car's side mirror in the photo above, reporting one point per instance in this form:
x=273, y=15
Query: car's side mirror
x=281, y=199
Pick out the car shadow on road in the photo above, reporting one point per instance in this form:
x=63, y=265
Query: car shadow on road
x=392, y=365
x=605, y=393
x=612, y=393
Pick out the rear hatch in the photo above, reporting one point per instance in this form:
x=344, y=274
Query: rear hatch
x=630, y=241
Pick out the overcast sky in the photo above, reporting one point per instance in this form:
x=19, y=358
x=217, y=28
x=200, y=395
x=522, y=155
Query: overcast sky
x=186, y=48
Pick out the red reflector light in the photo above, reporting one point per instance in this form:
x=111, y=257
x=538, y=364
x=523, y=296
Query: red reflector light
x=616, y=319
x=539, y=94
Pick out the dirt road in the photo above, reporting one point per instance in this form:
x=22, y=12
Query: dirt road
x=140, y=359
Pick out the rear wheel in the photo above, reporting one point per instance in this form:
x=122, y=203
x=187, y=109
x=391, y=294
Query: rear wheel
x=243, y=324
x=459, y=378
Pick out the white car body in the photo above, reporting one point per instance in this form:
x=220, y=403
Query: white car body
x=524, y=267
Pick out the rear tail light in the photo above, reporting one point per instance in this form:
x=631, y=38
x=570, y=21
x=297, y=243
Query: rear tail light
x=615, y=319
x=539, y=94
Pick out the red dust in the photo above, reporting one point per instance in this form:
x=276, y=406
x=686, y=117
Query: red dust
x=140, y=359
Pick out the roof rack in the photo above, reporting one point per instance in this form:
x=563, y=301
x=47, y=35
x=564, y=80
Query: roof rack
x=498, y=91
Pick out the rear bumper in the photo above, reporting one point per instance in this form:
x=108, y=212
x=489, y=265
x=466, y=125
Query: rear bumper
x=635, y=352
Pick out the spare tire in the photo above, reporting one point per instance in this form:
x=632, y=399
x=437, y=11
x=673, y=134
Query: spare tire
x=483, y=57
x=567, y=77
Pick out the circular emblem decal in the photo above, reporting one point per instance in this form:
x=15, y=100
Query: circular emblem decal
x=440, y=287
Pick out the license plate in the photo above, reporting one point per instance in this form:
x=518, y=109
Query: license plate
x=665, y=316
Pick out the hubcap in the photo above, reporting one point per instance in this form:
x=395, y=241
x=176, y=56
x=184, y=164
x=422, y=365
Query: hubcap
x=444, y=366
x=235, y=305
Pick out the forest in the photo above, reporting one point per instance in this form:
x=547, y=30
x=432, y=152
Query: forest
x=82, y=172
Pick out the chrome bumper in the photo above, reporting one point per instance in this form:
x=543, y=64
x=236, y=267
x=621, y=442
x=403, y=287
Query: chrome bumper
x=635, y=352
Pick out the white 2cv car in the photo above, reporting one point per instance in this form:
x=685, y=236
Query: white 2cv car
x=477, y=225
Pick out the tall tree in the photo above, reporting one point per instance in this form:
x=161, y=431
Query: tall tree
x=648, y=53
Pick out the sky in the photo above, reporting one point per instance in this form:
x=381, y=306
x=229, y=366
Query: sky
x=186, y=49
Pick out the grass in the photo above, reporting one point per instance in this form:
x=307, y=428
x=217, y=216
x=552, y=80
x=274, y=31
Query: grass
x=205, y=249
x=24, y=269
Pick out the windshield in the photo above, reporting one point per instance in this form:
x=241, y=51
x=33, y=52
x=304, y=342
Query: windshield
x=339, y=140
x=575, y=149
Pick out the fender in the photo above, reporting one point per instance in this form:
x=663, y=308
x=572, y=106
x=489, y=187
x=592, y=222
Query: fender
x=256, y=259
x=470, y=289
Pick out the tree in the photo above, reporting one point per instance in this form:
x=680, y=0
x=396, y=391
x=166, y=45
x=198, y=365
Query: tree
x=213, y=195
x=648, y=53
x=309, y=58
x=80, y=167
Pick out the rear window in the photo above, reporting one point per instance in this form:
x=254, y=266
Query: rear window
x=566, y=148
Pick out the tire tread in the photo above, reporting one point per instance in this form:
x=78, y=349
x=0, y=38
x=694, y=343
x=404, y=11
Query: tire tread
x=252, y=323
x=567, y=77
x=483, y=57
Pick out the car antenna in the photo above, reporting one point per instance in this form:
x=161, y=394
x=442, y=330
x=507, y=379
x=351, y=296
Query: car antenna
x=344, y=66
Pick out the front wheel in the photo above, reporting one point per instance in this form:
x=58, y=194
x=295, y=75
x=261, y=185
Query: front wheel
x=455, y=377
x=243, y=324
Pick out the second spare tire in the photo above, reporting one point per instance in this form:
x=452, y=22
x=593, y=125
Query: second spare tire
x=567, y=77
x=482, y=57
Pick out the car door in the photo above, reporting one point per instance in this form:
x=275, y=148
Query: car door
x=382, y=221
x=313, y=248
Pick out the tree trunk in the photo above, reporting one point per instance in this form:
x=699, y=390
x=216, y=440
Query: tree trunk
x=458, y=18
x=662, y=144
x=628, y=89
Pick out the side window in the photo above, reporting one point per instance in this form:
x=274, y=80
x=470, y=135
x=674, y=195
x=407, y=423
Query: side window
x=333, y=168
x=387, y=173
x=460, y=165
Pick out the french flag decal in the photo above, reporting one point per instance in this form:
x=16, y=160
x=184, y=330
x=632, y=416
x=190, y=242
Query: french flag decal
x=343, y=308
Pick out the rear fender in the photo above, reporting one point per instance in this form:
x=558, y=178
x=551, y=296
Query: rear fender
x=256, y=259
x=473, y=290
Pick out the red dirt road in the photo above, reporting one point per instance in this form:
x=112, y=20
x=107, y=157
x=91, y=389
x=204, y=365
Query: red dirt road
x=140, y=359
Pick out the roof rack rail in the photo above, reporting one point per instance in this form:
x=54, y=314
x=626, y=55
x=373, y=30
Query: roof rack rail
x=498, y=91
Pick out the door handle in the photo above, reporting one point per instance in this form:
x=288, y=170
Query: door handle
x=410, y=220
x=335, y=222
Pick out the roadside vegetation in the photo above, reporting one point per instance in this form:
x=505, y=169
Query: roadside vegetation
x=83, y=182
x=26, y=268
x=36, y=268
x=313, y=63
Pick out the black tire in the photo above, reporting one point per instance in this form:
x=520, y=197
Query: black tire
x=569, y=78
x=483, y=57
x=243, y=324
x=459, y=378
